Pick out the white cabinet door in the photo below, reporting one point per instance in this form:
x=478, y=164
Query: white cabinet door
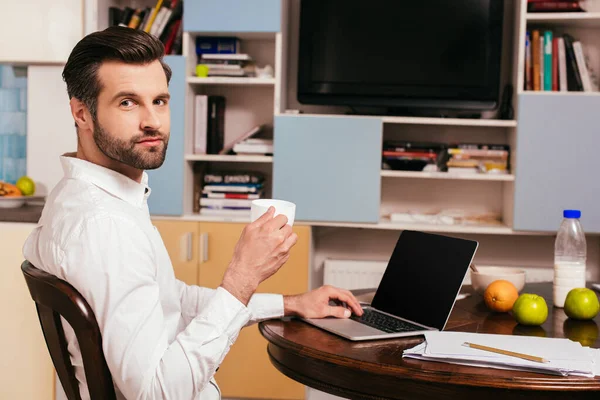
x=39, y=31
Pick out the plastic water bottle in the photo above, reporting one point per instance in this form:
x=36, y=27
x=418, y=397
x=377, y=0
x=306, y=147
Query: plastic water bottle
x=570, y=252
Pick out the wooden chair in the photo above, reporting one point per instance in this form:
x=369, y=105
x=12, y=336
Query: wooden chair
x=54, y=298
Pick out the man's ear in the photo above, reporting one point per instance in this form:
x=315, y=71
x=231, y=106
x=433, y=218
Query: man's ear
x=81, y=114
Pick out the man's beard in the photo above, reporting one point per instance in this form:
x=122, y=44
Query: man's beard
x=126, y=152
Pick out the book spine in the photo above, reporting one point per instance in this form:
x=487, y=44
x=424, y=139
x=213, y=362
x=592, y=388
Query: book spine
x=528, y=66
x=555, y=64
x=562, y=66
x=535, y=55
x=541, y=52
x=585, y=78
x=200, y=126
x=548, y=60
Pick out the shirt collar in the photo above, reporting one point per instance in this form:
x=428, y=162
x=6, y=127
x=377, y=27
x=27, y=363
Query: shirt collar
x=106, y=179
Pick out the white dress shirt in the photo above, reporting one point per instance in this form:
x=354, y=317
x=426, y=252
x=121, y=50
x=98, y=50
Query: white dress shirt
x=162, y=339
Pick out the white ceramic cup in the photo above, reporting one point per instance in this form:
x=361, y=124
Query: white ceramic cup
x=260, y=206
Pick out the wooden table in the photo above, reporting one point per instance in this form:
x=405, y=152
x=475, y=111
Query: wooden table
x=376, y=369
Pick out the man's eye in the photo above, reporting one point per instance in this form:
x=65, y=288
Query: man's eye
x=160, y=102
x=127, y=103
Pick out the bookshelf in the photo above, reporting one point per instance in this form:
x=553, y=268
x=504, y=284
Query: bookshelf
x=583, y=28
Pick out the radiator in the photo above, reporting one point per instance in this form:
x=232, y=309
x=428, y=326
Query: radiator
x=352, y=274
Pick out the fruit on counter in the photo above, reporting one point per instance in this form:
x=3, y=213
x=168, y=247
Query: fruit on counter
x=9, y=190
x=582, y=303
x=530, y=309
x=500, y=295
x=26, y=185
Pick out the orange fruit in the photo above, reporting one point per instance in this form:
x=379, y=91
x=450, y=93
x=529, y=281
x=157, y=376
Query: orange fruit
x=500, y=296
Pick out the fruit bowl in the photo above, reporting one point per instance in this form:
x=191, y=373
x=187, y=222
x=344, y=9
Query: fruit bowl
x=486, y=275
x=17, y=201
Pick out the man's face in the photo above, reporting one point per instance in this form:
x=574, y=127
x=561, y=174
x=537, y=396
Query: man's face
x=132, y=123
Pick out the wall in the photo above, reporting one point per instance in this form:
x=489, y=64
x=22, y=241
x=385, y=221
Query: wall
x=13, y=122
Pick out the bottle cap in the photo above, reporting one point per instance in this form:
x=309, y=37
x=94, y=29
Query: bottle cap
x=572, y=214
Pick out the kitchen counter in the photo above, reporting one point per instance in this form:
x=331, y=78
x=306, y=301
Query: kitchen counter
x=26, y=213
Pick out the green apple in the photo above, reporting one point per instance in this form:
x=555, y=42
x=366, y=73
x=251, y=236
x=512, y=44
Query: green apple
x=582, y=303
x=530, y=309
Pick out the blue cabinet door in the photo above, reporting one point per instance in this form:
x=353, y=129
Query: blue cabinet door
x=166, y=182
x=330, y=166
x=557, y=161
x=232, y=16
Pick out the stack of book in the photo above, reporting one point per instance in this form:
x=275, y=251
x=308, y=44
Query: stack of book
x=163, y=21
x=254, y=146
x=557, y=63
x=413, y=156
x=230, y=194
x=555, y=6
x=478, y=158
x=221, y=56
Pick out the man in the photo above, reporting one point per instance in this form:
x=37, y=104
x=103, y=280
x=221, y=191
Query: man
x=161, y=337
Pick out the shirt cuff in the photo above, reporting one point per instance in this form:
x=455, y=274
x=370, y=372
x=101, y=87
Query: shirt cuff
x=266, y=306
x=230, y=313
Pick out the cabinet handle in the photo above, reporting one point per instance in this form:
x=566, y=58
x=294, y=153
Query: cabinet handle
x=185, y=247
x=203, y=247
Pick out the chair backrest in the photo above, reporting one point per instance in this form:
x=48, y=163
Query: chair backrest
x=55, y=298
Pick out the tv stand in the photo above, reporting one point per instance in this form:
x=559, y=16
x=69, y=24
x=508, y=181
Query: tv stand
x=402, y=112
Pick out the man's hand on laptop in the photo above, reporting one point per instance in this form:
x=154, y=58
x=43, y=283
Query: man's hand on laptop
x=264, y=246
x=316, y=303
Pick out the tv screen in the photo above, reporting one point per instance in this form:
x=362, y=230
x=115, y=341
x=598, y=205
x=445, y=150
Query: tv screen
x=425, y=54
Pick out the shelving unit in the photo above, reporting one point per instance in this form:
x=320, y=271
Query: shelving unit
x=583, y=26
x=250, y=101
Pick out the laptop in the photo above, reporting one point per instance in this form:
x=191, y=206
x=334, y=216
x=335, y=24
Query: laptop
x=417, y=291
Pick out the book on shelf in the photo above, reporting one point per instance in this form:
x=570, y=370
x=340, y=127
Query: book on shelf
x=239, y=65
x=209, y=124
x=254, y=146
x=555, y=6
x=557, y=63
x=162, y=21
x=225, y=192
x=217, y=45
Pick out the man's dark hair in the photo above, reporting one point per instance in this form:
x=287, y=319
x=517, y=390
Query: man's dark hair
x=132, y=46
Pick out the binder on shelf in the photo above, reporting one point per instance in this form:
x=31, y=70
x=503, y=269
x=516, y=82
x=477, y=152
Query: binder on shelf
x=209, y=124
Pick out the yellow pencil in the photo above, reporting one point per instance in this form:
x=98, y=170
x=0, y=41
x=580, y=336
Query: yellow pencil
x=506, y=352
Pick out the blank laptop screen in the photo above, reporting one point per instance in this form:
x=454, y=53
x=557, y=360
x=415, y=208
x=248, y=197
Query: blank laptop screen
x=423, y=277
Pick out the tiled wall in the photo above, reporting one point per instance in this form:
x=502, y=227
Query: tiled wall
x=13, y=122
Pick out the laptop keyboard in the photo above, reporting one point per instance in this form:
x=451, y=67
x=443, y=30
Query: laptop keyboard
x=384, y=322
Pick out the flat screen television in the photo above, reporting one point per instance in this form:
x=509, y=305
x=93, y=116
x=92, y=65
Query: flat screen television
x=404, y=55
